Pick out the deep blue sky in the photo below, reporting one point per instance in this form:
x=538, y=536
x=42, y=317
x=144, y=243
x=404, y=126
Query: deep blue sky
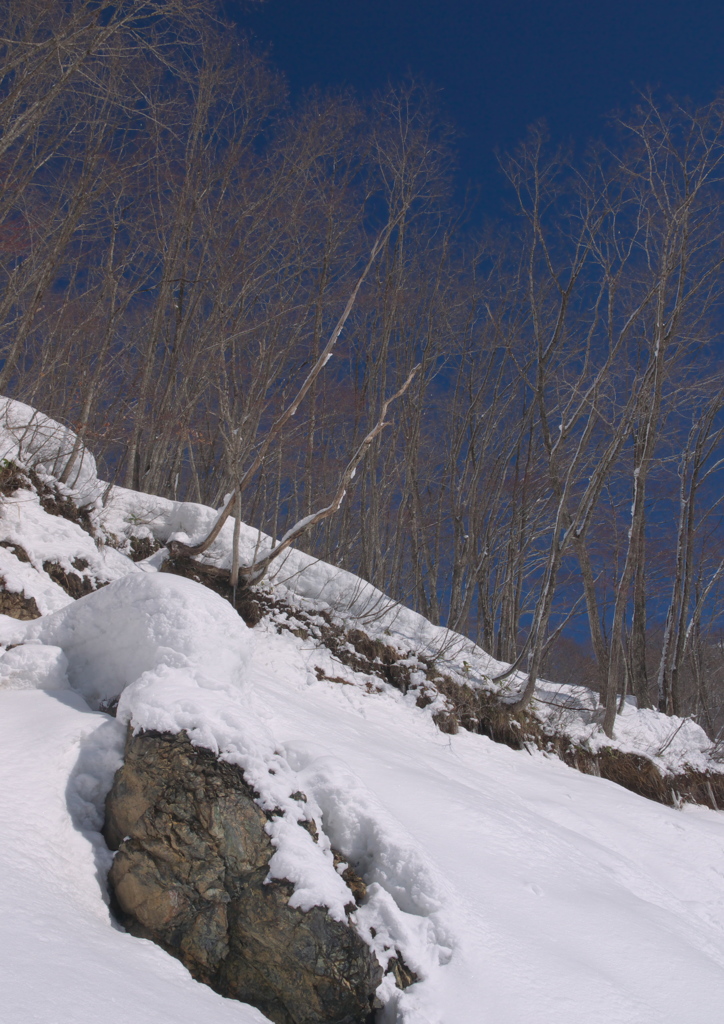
x=500, y=64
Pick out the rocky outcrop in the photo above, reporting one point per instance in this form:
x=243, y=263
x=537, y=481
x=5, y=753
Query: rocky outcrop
x=190, y=874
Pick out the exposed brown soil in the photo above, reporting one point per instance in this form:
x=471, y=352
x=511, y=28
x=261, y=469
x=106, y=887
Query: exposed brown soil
x=640, y=775
x=19, y=552
x=17, y=606
x=250, y=604
x=143, y=547
x=75, y=584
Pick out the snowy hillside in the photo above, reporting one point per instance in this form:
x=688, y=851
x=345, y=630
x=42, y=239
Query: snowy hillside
x=513, y=887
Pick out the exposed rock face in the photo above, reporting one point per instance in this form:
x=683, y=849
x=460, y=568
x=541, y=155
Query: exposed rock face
x=189, y=874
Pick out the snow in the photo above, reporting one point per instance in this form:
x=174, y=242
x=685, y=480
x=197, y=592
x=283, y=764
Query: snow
x=142, y=626
x=41, y=443
x=517, y=889
x=674, y=744
x=34, y=441
x=63, y=959
x=23, y=578
x=34, y=667
x=563, y=897
x=49, y=538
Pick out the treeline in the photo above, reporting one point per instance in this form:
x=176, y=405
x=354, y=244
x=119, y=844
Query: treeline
x=178, y=239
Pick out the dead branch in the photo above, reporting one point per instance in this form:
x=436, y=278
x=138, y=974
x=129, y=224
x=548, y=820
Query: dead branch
x=257, y=570
x=291, y=409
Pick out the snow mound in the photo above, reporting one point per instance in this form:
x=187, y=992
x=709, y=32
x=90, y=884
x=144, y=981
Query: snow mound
x=144, y=625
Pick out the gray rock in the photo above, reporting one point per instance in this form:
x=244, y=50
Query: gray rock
x=189, y=874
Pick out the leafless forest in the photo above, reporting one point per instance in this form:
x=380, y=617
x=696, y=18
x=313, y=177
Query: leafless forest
x=178, y=240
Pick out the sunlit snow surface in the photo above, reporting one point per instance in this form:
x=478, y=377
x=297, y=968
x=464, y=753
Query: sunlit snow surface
x=518, y=889
x=529, y=892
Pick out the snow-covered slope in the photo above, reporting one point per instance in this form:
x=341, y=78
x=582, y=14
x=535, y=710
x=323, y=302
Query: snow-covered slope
x=518, y=889
x=673, y=744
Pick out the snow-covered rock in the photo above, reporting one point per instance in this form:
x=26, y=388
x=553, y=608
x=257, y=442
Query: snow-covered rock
x=201, y=888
